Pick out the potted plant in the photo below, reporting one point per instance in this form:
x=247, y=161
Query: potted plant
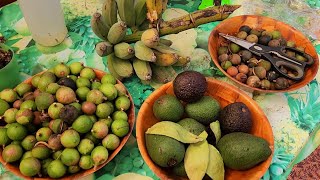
x=9, y=70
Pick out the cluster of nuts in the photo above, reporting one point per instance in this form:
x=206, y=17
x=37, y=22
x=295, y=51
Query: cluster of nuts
x=253, y=70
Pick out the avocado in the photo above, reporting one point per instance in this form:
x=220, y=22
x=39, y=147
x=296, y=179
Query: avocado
x=242, y=151
x=179, y=170
x=204, y=111
x=168, y=108
x=164, y=151
x=192, y=125
x=189, y=86
x=235, y=117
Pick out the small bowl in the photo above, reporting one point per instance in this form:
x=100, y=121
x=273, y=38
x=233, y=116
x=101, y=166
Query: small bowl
x=225, y=94
x=83, y=173
x=231, y=26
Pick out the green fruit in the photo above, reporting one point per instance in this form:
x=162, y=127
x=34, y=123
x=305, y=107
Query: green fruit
x=85, y=147
x=17, y=132
x=83, y=82
x=192, y=126
x=104, y=110
x=99, y=129
x=9, y=95
x=52, y=88
x=10, y=115
x=111, y=142
x=45, y=80
x=73, y=169
x=95, y=85
x=179, y=170
x=44, y=100
x=204, y=111
x=23, y=88
x=88, y=73
x=108, y=79
x=35, y=80
x=70, y=138
x=242, y=151
x=109, y=91
x=76, y=67
x=4, y=137
x=95, y=96
x=190, y=86
x=44, y=166
x=26, y=155
x=30, y=166
x=88, y=108
x=82, y=124
x=235, y=117
x=65, y=95
x=234, y=48
x=120, y=128
x=70, y=157
x=57, y=126
x=168, y=108
x=57, y=154
x=43, y=134
x=86, y=162
x=171, y=151
x=28, y=104
x=82, y=93
x=12, y=153
x=3, y=107
x=24, y=116
x=120, y=115
x=73, y=77
x=61, y=70
x=77, y=106
x=56, y=169
x=28, y=142
x=41, y=152
x=54, y=110
x=276, y=34
x=122, y=103
x=92, y=138
x=99, y=155
x=122, y=91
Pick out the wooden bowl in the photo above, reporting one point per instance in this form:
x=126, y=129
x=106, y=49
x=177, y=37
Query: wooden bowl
x=225, y=94
x=83, y=173
x=231, y=26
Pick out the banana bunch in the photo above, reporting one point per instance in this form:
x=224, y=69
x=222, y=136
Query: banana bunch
x=155, y=9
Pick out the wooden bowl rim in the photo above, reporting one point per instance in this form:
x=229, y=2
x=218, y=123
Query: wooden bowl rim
x=316, y=58
x=141, y=135
x=82, y=173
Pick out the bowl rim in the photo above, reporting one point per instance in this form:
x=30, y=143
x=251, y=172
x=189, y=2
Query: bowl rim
x=82, y=172
x=211, y=40
x=141, y=135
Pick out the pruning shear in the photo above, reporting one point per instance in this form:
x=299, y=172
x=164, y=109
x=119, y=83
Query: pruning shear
x=276, y=56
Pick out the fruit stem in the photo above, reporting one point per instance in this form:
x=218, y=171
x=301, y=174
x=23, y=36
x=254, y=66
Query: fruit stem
x=192, y=20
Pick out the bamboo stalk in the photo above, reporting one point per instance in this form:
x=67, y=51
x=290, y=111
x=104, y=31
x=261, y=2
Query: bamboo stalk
x=192, y=20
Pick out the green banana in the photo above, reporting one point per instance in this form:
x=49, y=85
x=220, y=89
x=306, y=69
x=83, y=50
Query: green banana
x=165, y=49
x=162, y=74
x=110, y=59
x=122, y=67
x=123, y=50
x=140, y=9
x=126, y=13
x=104, y=48
x=117, y=32
x=109, y=12
x=98, y=27
x=143, y=52
x=142, y=69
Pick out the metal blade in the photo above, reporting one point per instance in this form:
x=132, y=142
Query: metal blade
x=238, y=41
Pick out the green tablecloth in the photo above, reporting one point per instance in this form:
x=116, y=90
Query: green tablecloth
x=294, y=116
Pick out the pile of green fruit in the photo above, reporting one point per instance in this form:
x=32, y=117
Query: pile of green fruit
x=151, y=58
x=64, y=121
x=196, y=138
x=253, y=70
